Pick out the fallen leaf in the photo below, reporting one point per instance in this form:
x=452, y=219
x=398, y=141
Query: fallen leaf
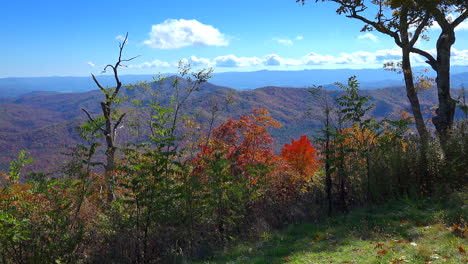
x=418, y=224
x=379, y=245
x=382, y=252
x=461, y=250
x=286, y=259
x=397, y=261
x=356, y=249
x=456, y=227
x=404, y=221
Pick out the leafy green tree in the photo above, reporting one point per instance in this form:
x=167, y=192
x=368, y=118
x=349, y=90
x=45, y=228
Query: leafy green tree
x=442, y=11
x=397, y=24
x=405, y=21
x=325, y=138
x=156, y=189
x=18, y=164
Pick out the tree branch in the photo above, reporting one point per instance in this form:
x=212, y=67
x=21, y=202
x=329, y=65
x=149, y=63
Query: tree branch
x=419, y=30
x=460, y=19
x=118, y=122
x=131, y=58
x=97, y=83
x=430, y=59
x=91, y=119
x=108, y=65
x=378, y=27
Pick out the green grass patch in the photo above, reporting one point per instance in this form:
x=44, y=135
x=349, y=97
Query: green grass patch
x=405, y=231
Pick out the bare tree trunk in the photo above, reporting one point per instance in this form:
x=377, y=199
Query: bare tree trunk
x=110, y=125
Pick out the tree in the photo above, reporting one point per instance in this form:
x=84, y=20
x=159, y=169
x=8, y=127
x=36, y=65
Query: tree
x=302, y=157
x=354, y=108
x=235, y=167
x=110, y=123
x=440, y=11
x=405, y=21
x=327, y=108
x=246, y=141
x=396, y=24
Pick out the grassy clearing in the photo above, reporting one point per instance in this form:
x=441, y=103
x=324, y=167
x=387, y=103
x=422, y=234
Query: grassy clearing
x=404, y=231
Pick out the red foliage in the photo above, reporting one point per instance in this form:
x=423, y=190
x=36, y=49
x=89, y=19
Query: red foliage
x=244, y=142
x=302, y=157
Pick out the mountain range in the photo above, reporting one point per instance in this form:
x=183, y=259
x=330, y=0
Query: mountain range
x=369, y=79
x=44, y=122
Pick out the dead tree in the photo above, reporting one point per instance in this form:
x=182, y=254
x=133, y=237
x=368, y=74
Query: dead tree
x=111, y=123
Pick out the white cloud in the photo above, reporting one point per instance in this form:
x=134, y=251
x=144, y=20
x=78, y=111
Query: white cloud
x=178, y=33
x=459, y=57
x=268, y=60
x=463, y=26
x=369, y=36
x=388, y=54
x=234, y=61
x=195, y=61
x=299, y=37
x=272, y=60
x=317, y=59
x=91, y=64
x=354, y=58
x=364, y=58
x=290, y=62
x=153, y=64
x=284, y=42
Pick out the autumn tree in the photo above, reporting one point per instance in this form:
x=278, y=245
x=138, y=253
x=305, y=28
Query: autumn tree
x=235, y=166
x=355, y=108
x=302, y=157
x=246, y=141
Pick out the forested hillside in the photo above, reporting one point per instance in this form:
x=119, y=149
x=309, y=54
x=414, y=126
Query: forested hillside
x=45, y=123
x=275, y=132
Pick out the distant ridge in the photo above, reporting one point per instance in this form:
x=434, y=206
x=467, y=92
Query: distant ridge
x=368, y=78
x=44, y=122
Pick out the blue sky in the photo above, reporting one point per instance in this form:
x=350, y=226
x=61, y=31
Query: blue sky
x=76, y=38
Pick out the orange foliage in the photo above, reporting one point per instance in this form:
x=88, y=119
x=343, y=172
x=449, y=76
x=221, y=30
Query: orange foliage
x=359, y=138
x=302, y=157
x=246, y=143
x=246, y=140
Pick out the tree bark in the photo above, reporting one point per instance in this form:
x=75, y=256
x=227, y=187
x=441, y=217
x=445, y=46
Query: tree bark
x=413, y=96
x=443, y=121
